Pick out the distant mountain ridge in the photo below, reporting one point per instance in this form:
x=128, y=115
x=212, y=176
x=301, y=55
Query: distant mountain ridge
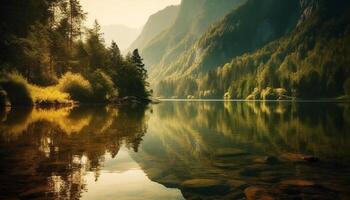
x=156, y=23
x=121, y=34
x=194, y=17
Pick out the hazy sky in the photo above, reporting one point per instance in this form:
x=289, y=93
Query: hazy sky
x=133, y=13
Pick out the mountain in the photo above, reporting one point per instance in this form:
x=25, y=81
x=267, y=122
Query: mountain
x=156, y=23
x=237, y=33
x=121, y=34
x=265, y=50
x=194, y=17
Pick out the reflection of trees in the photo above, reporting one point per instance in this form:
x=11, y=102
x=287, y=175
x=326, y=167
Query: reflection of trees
x=62, y=144
x=268, y=126
x=184, y=139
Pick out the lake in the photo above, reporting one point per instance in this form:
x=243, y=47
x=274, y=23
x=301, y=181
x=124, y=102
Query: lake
x=177, y=150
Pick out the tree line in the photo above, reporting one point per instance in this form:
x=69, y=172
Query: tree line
x=44, y=40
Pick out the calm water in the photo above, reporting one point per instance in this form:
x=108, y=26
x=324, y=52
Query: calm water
x=177, y=150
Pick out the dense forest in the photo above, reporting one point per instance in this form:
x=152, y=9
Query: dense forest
x=232, y=49
x=253, y=49
x=47, y=56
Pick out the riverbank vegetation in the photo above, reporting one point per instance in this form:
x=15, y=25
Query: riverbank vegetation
x=47, y=56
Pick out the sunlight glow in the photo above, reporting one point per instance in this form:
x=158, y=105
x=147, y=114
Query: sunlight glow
x=132, y=13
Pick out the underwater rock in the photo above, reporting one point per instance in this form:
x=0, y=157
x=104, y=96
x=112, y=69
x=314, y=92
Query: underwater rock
x=296, y=157
x=257, y=193
x=206, y=186
x=298, y=183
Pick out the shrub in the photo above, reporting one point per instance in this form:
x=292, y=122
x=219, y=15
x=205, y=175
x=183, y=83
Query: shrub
x=78, y=88
x=255, y=95
x=50, y=95
x=17, y=89
x=268, y=94
x=103, y=87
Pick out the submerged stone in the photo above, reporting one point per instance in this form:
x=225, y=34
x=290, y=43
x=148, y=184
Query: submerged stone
x=257, y=193
x=206, y=186
x=298, y=183
x=296, y=157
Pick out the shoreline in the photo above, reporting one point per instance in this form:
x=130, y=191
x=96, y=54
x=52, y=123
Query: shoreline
x=244, y=100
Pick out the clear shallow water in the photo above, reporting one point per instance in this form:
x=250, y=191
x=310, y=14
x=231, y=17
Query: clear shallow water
x=177, y=150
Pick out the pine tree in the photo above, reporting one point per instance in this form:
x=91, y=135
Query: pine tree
x=137, y=62
x=140, y=66
x=115, y=57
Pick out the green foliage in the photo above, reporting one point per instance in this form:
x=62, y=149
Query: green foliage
x=308, y=61
x=17, y=90
x=82, y=90
x=95, y=48
x=76, y=86
x=193, y=19
x=131, y=77
x=59, y=60
x=103, y=87
x=36, y=47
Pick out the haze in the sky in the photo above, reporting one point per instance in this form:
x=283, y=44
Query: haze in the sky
x=132, y=13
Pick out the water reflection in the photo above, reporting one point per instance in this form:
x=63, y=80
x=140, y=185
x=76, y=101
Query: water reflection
x=54, y=153
x=176, y=150
x=248, y=149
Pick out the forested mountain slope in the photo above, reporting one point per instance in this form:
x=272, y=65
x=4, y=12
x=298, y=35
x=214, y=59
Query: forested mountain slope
x=194, y=17
x=156, y=24
x=237, y=33
x=286, y=49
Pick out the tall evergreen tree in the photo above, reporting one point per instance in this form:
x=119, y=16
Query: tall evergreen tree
x=138, y=62
x=115, y=56
x=95, y=47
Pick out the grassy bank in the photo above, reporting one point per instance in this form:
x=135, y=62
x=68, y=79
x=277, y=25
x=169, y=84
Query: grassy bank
x=71, y=88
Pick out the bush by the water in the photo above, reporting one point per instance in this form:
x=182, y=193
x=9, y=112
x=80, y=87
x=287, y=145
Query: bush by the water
x=48, y=95
x=17, y=89
x=78, y=88
x=103, y=87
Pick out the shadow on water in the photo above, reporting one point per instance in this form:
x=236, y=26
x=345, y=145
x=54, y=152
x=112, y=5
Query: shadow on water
x=208, y=150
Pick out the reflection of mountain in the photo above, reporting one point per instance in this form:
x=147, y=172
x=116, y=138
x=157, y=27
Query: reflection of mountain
x=208, y=150
x=247, y=144
x=50, y=151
